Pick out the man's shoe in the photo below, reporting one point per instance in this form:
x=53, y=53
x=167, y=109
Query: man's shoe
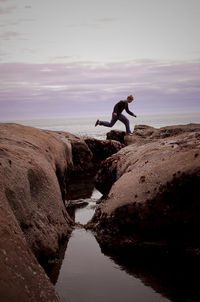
x=97, y=123
x=130, y=134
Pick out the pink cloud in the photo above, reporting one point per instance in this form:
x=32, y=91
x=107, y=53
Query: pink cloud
x=7, y=10
x=10, y=35
x=80, y=87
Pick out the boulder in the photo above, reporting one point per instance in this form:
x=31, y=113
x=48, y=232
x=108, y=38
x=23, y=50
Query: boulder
x=33, y=171
x=101, y=149
x=143, y=134
x=151, y=189
x=82, y=156
x=21, y=277
x=87, y=153
x=116, y=135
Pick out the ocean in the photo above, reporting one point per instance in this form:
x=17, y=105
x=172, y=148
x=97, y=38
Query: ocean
x=84, y=126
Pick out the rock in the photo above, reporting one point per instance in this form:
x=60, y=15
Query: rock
x=82, y=156
x=152, y=189
x=87, y=153
x=145, y=134
x=78, y=203
x=101, y=149
x=107, y=174
x=80, y=186
x=35, y=167
x=21, y=277
x=116, y=135
x=33, y=170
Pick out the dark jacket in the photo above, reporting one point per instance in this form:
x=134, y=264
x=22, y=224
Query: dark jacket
x=120, y=106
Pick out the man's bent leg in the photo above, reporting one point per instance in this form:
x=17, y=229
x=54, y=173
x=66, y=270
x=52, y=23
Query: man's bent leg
x=125, y=121
x=109, y=124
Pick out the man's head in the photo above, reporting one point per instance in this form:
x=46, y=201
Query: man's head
x=130, y=98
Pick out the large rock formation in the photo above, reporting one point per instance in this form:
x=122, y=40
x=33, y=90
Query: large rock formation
x=151, y=188
x=143, y=134
x=87, y=153
x=34, y=219
x=35, y=166
x=101, y=149
x=21, y=277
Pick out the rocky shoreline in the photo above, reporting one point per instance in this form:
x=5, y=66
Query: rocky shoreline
x=35, y=167
x=150, y=183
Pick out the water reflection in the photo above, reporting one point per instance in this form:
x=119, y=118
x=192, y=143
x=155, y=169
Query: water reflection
x=171, y=272
x=53, y=268
x=88, y=271
x=82, y=198
x=87, y=275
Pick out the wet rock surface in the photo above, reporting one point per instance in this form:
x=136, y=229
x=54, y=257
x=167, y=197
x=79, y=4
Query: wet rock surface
x=21, y=277
x=143, y=134
x=116, y=135
x=152, y=189
x=82, y=156
x=101, y=149
x=33, y=169
x=87, y=153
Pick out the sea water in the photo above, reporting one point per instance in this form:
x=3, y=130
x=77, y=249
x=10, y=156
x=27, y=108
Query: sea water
x=84, y=126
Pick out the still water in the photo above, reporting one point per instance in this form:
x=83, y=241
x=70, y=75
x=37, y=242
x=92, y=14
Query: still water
x=87, y=275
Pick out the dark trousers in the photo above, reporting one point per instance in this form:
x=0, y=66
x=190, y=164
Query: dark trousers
x=114, y=119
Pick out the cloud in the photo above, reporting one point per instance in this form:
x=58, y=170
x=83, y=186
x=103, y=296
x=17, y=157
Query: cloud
x=7, y=10
x=98, y=23
x=64, y=57
x=88, y=25
x=10, y=35
x=26, y=20
x=81, y=88
x=107, y=19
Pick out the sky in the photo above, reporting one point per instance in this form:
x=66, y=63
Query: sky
x=72, y=57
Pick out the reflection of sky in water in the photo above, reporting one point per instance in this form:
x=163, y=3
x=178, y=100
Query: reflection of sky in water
x=85, y=214
x=87, y=275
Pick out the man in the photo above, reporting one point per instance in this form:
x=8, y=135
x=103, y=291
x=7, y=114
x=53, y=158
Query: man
x=117, y=115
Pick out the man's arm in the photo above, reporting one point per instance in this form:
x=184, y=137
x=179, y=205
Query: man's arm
x=128, y=111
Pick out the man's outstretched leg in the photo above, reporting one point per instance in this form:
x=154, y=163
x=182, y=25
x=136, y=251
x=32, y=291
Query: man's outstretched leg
x=107, y=124
x=125, y=121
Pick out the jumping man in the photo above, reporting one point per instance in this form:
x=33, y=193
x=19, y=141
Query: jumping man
x=117, y=115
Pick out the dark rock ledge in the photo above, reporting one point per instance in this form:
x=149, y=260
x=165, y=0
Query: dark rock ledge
x=151, y=190
x=35, y=167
